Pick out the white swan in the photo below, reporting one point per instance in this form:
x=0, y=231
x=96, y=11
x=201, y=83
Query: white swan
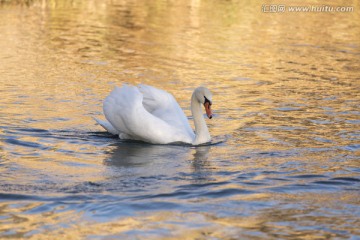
x=152, y=115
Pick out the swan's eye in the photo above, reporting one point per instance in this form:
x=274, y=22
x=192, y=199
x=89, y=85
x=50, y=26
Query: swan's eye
x=207, y=100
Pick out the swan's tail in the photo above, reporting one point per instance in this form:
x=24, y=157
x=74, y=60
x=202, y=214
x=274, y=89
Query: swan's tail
x=107, y=126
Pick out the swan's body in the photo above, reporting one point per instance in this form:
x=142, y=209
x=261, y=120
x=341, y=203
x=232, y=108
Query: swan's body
x=152, y=115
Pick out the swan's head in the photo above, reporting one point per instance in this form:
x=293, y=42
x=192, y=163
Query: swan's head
x=204, y=96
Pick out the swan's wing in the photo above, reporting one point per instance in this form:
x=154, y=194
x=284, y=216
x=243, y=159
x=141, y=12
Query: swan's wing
x=124, y=109
x=163, y=105
x=153, y=98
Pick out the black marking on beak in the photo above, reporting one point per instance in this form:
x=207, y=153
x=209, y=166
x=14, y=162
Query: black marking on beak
x=207, y=100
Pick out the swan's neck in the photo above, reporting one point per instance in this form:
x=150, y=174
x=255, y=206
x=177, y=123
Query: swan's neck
x=201, y=129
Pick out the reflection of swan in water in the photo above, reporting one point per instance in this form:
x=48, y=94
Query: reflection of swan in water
x=133, y=154
x=201, y=154
x=200, y=164
x=156, y=169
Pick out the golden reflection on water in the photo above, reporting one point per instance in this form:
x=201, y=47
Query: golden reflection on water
x=281, y=82
x=198, y=225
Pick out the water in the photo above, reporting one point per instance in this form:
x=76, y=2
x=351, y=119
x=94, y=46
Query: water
x=284, y=163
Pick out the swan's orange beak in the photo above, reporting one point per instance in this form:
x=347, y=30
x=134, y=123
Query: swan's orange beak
x=208, y=111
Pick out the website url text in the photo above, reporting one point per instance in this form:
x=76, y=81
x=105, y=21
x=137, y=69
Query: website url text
x=281, y=8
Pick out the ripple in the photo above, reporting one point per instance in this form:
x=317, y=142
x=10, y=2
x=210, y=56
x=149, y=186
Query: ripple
x=202, y=185
x=227, y=192
x=350, y=179
x=306, y=176
x=25, y=144
x=352, y=147
x=332, y=182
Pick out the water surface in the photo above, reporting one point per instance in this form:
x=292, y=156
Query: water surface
x=285, y=158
